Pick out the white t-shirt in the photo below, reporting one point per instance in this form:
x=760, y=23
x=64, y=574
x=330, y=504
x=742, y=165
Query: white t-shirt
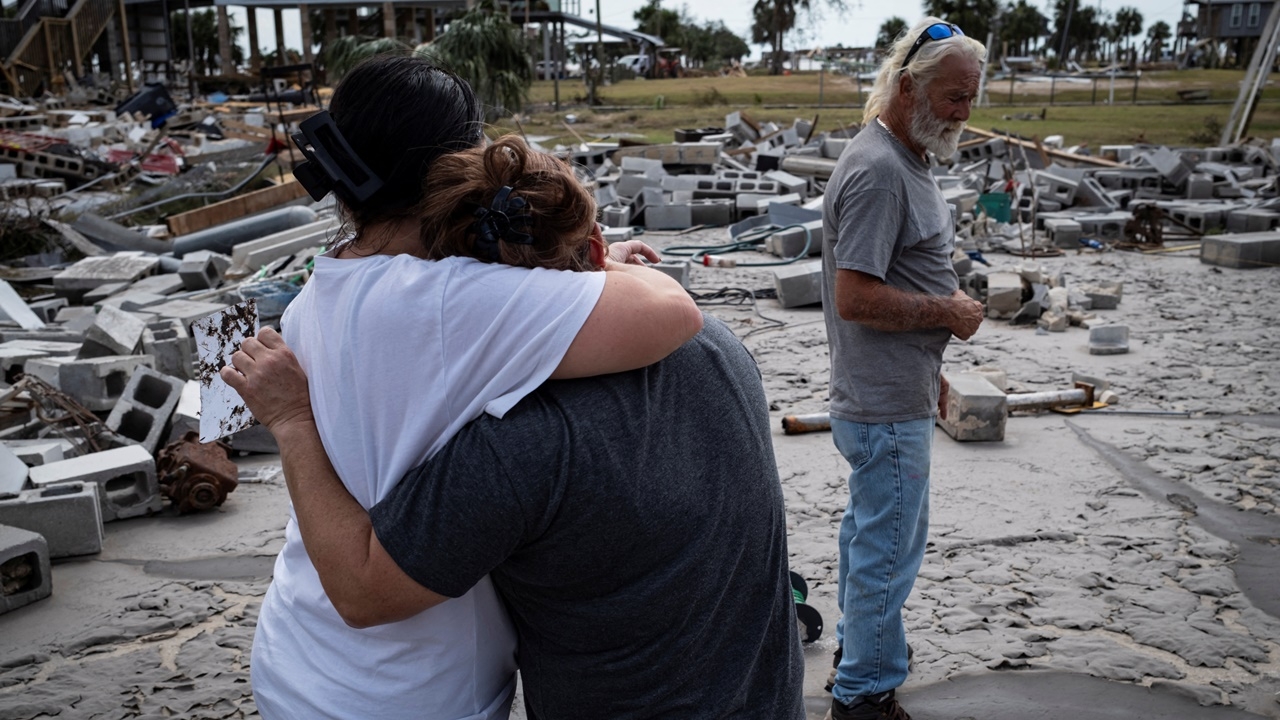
x=400, y=353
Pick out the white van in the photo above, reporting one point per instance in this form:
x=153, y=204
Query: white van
x=638, y=64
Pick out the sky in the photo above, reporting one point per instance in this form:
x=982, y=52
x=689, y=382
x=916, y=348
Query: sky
x=855, y=27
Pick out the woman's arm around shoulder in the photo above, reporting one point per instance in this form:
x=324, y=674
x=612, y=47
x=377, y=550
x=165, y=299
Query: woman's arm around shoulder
x=642, y=316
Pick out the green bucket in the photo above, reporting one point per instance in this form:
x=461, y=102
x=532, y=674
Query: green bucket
x=997, y=206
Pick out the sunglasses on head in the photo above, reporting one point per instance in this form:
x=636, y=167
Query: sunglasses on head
x=936, y=31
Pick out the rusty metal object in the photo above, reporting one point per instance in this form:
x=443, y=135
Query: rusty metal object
x=798, y=424
x=195, y=476
x=60, y=412
x=1146, y=229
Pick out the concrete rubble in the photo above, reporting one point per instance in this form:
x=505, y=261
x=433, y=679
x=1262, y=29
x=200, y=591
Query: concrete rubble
x=97, y=354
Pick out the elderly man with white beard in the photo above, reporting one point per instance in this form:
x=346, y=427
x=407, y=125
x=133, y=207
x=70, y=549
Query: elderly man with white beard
x=891, y=301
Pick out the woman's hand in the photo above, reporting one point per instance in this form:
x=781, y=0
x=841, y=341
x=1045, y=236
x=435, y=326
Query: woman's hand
x=630, y=252
x=270, y=381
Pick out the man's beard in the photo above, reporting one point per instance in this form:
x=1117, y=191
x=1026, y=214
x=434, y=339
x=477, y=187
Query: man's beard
x=932, y=132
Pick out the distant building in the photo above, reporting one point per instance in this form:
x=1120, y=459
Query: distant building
x=1223, y=33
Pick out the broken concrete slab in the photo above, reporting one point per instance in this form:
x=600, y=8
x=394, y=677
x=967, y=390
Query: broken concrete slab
x=13, y=307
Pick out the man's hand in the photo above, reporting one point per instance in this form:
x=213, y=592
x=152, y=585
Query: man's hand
x=631, y=251
x=270, y=381
x=943, y=390
x=966, y=315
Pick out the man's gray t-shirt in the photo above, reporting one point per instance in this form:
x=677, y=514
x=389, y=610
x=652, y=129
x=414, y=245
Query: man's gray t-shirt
x=884, y=216
x=634, y=525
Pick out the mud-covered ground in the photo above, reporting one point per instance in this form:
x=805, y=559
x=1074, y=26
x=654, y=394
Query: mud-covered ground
x=1091, y=565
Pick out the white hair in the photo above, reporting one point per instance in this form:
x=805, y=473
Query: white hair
x=925, y=64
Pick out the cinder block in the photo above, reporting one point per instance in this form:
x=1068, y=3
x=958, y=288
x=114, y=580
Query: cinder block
x=616, y=216
x=748, y=204
x=1004, y=294
x=13, y=472
x=673, y=183
x=68, y=516
x=668, y=217
x=1169, y=164
x=715, y=187
x=24, y=568
x=712, y=211
x=144, y=407
x=1199, y=186
x=1105, y=226
x=203, y=269
x=642, y=166
x=1250, y=220
x=788, y=183
x=40, y=452
x=47, y=310
x=1062, y=232
x=171, y=346
x=15, y=354
x=1103, y=295
x=95, y=383
x=1255, y=250
x=607, y=195
x=798, y=284
x=126, y=477
x=113, y=332
x=631, y=185
x=789, y=242
x=678, y=269
x=613, y=235
x=1056, y=188
x=1108, y=339
x=976, y=409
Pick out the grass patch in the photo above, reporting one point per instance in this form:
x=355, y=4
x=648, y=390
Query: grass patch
x=1158, y=118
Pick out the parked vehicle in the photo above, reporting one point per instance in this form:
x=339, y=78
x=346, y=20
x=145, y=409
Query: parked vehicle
x=638, y=64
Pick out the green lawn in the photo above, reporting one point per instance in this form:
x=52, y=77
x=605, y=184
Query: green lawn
x=651, y=109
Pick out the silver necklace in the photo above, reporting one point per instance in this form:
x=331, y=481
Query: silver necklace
x=894, y=135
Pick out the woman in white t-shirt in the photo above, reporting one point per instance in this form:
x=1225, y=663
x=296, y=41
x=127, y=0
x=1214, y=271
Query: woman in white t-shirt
x=410, y=328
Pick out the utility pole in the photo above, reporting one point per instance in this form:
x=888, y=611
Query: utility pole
x=191, y=53
x=599, y=73
x=1066, y=31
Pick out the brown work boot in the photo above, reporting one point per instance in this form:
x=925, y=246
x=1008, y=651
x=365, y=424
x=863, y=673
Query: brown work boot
x=869, y=707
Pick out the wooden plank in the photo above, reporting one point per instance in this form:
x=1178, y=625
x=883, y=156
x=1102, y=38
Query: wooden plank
x=1055, y=154
x=233, y=208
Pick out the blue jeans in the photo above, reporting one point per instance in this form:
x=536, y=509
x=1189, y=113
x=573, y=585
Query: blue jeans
x=882, y=543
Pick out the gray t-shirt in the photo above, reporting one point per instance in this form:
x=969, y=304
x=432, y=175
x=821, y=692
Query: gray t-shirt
x=884, y=216
x=634, y=525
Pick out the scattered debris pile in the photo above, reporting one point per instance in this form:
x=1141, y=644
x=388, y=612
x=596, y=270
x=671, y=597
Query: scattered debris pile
x=98, y=402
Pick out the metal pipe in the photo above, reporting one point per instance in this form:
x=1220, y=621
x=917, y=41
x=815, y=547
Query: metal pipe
x=223, y=238
x=798, y=424
x=1046, y=400
x=812, y=166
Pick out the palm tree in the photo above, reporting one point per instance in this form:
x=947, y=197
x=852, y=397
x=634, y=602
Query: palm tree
x=1023, y=26
x=346, y=52
x=204, y=35
x=486, y=49
x=974, y=17
x=773, y=19
x=1157, y=35
x=1128, y=23
x=890, y=30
